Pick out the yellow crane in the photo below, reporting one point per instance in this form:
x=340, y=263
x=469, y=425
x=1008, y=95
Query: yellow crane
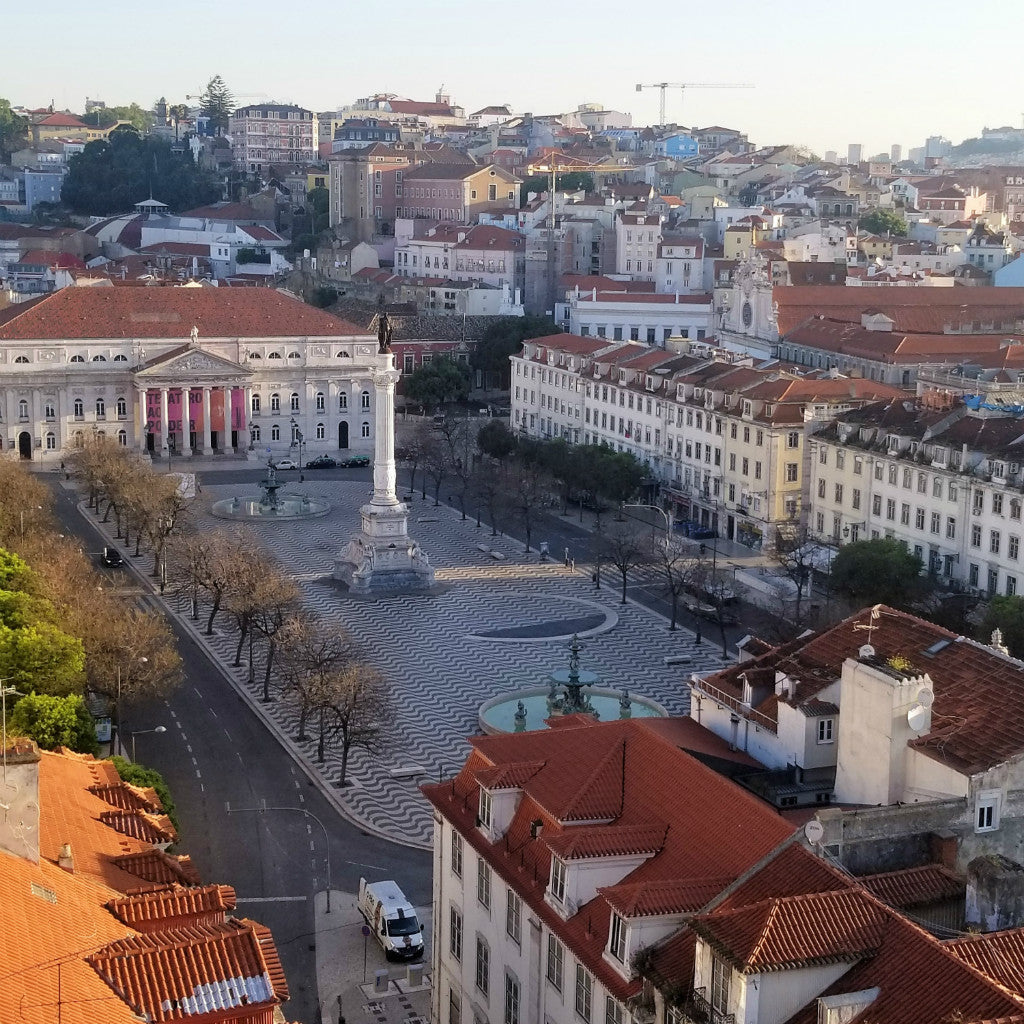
x=683, y=86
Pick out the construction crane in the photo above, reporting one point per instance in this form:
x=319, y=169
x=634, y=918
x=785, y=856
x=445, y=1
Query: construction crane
x=683, y=86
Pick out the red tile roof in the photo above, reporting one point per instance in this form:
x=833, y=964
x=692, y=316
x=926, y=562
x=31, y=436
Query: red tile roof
x=649, y=899
x=912, y=887
x=173, y=906
x=203, y=969
x=62, y=121
x=1000, y=955
x=81, y=313
x=60, y=260
x=795, y=931
x=614, y=769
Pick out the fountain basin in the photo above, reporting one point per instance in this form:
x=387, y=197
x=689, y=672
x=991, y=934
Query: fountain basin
x=287, y=506
x=497, y=715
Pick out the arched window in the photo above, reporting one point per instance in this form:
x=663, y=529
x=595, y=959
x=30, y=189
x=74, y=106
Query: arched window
x=122, y=438
x=275, y=433
x=364, y=400
x=295, y=401
x=50, y=412
x=101, y=433
x=320, y=401
x=99, y=359
x=321, y=432
x=343, y=355
x=120, y=358
x=275, y=402
x=365, y=432
x=51, y=441
x=255, y=433
x=294, y=355
x=295, y=432
x=256, y=403
x=21, y=359
x=79, y=409
x=101, y=409
x=274, y=355
x=342, y=403
x=122, y=408
x=79, y=439
x=78, y=359
x=255, y=355
x=22, y=409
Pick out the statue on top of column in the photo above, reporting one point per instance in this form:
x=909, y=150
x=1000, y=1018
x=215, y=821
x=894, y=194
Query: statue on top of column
x=384, y=333
x=194, y=335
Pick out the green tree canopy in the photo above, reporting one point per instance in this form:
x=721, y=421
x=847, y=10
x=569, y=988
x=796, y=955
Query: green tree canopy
x=879, y=571
x=104, y=117
x=883, y=222
x=217, y=104
x=112, y=175
x=496, y=440
x=41, y=657
x=55, y=722
x=616, y=475
x=570, y=181
x=503, y=339
x=318, y=204
x=1007, y=615
x=438, y=382
x=148, y=778
x=13, y=130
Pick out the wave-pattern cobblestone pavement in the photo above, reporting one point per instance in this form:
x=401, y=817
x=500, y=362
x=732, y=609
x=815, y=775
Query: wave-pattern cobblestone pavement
x=425, y=644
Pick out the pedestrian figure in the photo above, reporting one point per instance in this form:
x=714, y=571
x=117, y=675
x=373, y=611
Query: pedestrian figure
x=566, y=556
x=572, y=565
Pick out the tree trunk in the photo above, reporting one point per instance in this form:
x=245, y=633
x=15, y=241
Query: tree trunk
x=303, y=715
x=266, y=675
x=243, y=632
x=213, y=614
x=623, y=587
x=675, y=611
x=437, y=493
x=320, y=740
x=346, y=745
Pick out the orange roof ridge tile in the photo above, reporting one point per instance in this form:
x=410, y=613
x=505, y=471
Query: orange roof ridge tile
x=600, y=796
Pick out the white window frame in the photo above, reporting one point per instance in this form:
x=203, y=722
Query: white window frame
x=986, y=811
x=484, y=809
x=455, y=932
x=457, y=849
x=617, y=937
x=513, y=998
x=826, y=730
x=483, y=883
x=559, y=875
x=555, y=966
x=584, y=1001
x=514, y=916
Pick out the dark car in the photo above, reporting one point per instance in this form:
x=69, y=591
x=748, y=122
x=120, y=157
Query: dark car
x=355, y=460
x=703, y=533
x=321, y=462
x=111, y=558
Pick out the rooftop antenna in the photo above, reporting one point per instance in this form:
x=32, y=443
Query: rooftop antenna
x=871, y=625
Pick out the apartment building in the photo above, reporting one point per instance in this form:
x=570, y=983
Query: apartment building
x=457, y=192
x=637, y=237
x=272, y=133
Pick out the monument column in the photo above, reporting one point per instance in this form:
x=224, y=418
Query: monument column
x=186, y=421
x=382, y=557
x=207, y=424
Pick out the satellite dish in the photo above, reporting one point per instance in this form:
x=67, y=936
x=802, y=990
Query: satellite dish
x=866, y=651
x=814, y=831
x=926, y=698
x=918, y=718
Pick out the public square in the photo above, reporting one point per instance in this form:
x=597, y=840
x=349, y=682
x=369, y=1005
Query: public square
x=433, y=647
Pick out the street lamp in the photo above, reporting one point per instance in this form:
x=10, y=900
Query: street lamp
x=117, y=706
x=33, y=508
x=142, y=732
x=298, y=441
x=664, y=514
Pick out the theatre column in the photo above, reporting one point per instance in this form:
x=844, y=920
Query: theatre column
x=140, y=419
x=207, y=425
x=165, y=433
x=186, y=421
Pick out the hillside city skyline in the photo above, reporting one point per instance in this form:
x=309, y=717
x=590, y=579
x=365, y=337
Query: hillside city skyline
x=819, y=81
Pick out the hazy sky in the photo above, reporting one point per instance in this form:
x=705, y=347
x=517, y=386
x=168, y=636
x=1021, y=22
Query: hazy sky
x=825, y=74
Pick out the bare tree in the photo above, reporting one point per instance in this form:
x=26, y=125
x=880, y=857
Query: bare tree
x=437, y=464
x=675, y=568
x=412, y=448
x=526, y=492
x=214, y=562
x=795, y=551
x=625, y=548
x=274, y=611
x=361, y=710
x=261, y=584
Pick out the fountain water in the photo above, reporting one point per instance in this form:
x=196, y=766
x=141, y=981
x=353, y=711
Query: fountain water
x=270, y=505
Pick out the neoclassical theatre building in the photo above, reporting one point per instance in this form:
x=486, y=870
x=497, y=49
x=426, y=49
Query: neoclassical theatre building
x=177, y=372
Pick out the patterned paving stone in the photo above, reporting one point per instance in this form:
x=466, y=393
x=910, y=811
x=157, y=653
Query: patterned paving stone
x=431, y=649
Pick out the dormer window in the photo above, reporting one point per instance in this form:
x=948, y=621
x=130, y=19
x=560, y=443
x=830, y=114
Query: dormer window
x=484, y=812
x=617, y=938
x=559, y=873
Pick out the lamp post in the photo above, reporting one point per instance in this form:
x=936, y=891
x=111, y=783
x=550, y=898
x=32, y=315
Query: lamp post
x=309, y=814
x=117, y=707
x=298, y=441
x=21, y=515
x=142, y=732
x=664, y=514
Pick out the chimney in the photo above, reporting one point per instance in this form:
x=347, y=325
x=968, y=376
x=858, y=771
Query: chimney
x=66, y=859
x=19, y=824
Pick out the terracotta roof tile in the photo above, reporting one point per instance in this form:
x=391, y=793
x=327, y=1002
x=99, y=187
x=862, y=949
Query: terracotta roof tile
x=796, y=931
x=173, y=906
x=151, y=828
x=157, y=866
x=1000, y=955
x=911, y=887
x=80, y=313
x=606, y=841
x=509, y=776
x=203, y=969
x=649, y=899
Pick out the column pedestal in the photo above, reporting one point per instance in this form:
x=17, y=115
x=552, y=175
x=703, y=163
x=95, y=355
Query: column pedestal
x=382, y=558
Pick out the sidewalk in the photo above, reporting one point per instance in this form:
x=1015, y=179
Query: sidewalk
x=354, y=980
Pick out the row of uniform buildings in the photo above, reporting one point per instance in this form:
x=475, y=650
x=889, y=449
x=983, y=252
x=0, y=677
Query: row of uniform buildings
x=881, y=414
x=831, y=836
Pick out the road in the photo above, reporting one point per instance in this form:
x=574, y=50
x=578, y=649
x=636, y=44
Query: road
x=217, y=753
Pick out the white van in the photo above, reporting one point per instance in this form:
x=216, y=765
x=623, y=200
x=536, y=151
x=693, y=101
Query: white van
x=391, y=918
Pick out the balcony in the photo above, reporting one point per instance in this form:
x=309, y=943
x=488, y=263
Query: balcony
x=699, y=1011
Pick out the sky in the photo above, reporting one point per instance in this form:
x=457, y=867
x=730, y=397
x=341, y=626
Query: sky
x=824, y=74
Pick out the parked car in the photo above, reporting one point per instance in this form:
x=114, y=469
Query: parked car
x=322, y=462
x=286, y=464
x=703, y=533
x=355, y=460
x=111, y=558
